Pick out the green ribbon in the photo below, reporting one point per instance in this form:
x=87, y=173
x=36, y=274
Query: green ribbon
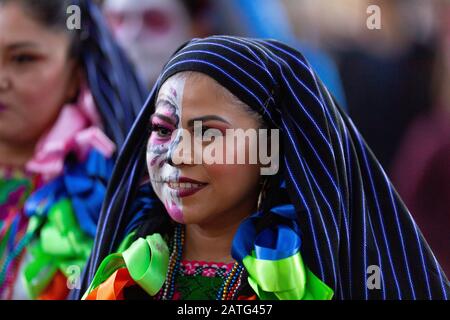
x=61, y=244
x=284, y=279
x=147, y=261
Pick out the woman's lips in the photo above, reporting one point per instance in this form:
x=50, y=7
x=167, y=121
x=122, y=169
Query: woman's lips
x=185, y=187
x=2, y=107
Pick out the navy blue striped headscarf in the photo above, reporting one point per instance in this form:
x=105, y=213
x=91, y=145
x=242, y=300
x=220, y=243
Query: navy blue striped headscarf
x=349, y=213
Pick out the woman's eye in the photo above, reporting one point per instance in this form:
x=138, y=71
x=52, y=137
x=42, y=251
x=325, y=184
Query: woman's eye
x=161, y=131
x=209, y=133
x=23, y=59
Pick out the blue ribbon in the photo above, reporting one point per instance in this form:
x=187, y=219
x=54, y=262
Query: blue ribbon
x=40, y=202
x=277, y=243
x=83, y=183
x=142, y=206
x=86, y=186
x=272, y=243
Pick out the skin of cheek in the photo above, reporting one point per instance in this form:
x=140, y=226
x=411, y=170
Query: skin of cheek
x=36, y=109
x=159, y=150
x=39, y=88
x=224, y=193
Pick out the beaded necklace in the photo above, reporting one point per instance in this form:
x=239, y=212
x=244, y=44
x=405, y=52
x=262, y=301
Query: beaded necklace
x=229, y=287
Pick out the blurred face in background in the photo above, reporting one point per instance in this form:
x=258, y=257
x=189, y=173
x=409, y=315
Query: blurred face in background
x=149, y=31
x=36, y=78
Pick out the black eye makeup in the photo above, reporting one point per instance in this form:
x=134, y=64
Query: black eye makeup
x=23, y=59
x=161, y=131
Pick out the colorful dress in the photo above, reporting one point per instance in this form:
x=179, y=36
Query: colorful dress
x=197, y=280
x=16, y=185
x=142, y=269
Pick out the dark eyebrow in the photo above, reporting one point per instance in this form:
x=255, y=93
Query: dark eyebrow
x=21, y=45
x=162, y=116
x=207, y=118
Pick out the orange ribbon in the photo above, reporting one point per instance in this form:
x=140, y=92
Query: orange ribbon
x=112, y=289
x=57, y=289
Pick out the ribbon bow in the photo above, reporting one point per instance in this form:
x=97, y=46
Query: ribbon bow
x=65, y=213
x=83, y=183
x=61, y=246
x=145, y=262
x=273, y=261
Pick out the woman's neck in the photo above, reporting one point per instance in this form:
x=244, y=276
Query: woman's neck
x=15, y=155
x=213, y=242
x=207, y=245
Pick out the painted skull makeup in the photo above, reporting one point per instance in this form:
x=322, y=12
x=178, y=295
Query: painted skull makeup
x=164, y=123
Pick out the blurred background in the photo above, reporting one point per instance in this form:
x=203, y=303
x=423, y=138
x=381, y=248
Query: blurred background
x=392, y=80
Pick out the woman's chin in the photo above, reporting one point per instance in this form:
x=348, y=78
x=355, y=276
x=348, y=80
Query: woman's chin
x=190, y=216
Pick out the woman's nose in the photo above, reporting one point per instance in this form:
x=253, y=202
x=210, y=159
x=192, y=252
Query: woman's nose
x=5, y=82
x=180, y=152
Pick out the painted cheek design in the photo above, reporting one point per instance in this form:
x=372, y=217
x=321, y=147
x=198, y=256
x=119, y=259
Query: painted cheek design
x=160, y=147
x=175, y=211
x=158, y=152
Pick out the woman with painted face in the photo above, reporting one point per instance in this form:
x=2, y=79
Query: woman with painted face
x=323, y=222
x=64, y=112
